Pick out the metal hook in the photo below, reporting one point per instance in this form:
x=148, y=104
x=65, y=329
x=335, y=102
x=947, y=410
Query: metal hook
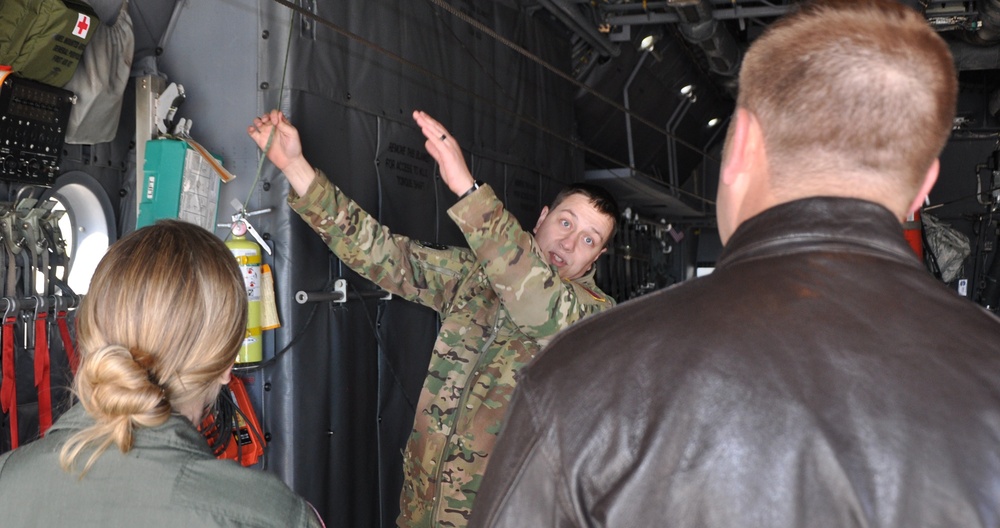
x=40, y=305
x=10, y=309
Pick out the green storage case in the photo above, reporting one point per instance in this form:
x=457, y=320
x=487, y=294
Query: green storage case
x=177, y=183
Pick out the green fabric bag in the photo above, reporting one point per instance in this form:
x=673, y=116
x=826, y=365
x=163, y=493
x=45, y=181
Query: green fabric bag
x=43, y=40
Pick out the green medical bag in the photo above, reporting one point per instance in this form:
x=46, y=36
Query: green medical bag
x=43, y=40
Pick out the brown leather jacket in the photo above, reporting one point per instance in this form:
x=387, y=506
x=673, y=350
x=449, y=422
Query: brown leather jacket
x=820, y=377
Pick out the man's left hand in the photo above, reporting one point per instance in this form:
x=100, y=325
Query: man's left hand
x=446, y=151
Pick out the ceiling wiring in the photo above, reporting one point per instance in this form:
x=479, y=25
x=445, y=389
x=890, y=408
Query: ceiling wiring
x=575, y=143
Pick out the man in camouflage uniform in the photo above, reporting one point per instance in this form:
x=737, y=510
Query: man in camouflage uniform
x=500, y=302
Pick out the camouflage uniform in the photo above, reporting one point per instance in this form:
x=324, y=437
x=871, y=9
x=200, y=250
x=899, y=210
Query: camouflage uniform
x=499, y=304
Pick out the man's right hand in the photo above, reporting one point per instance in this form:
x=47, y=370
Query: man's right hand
x=286, y=148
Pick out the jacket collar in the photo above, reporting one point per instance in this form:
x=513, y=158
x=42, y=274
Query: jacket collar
x=822, y=223
x=587, y=280
x=177, y=432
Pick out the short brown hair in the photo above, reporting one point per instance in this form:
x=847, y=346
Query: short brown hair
x=599, y=197
x=858, y=86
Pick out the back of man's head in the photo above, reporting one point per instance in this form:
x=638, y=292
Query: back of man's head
x=853, y=87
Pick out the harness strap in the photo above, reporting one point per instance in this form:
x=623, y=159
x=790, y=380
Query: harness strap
x=8, y=391
x=11, y=285
x=74, y=360
x=43, y=374
x=45, y=273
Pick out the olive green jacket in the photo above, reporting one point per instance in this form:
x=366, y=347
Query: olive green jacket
x=168, y=479
x=499, y=302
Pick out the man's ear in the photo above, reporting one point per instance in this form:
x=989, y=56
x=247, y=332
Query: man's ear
x=925, y=189
x=742, y=159
x=737, y=158
x=541, y=216
x=744, y=163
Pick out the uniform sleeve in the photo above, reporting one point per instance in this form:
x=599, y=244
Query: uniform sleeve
x=419, y=273
x=540, y=302
x=523, y=484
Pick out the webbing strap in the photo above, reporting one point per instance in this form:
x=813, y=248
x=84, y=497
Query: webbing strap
x=27, y=273
x=8, y=391
x=45, y=271
x=43, y=374
x=11, y=285
x=74, y=360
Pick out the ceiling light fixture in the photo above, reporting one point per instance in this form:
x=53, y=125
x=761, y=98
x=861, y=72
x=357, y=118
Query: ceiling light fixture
x=688, y=92
x=647, y=42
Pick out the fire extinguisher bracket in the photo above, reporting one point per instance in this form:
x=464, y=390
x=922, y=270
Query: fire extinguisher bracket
x=240, y=223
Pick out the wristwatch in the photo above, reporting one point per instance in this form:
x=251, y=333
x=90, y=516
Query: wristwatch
x=475, y=185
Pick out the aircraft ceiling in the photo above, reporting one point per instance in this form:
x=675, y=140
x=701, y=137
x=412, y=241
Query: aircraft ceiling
x=663, y=112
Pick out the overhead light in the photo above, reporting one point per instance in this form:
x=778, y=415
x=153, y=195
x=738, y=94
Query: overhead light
x=647, y=42
x=688, y=92
x=712, y=122
x=651, y=39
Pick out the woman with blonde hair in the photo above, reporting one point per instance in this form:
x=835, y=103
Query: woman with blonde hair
x=158, y=333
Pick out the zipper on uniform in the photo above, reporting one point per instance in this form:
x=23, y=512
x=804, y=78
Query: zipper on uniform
x=439, y=470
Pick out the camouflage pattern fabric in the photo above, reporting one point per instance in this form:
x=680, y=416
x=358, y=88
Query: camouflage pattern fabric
x=500, y=302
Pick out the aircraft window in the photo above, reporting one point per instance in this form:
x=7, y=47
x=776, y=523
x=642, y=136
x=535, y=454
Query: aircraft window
x=87, y=226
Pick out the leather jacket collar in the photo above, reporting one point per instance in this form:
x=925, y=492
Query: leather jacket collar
x=828, y=223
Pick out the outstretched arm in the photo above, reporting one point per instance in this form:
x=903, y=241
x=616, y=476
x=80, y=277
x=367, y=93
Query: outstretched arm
x=286, y=148
x=394, y=262
x=539, y=301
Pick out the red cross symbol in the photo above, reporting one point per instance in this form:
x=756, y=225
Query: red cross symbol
x=82, y=26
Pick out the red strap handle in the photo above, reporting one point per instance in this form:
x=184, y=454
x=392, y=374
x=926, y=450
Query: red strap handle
x=8, y=391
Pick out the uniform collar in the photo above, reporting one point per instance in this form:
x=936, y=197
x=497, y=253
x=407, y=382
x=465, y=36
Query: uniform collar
x=177, y=432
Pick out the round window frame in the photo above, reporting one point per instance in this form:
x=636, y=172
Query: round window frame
x=89, y=211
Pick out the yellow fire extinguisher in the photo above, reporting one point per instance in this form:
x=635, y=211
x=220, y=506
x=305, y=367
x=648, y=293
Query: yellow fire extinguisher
x=247, y=253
